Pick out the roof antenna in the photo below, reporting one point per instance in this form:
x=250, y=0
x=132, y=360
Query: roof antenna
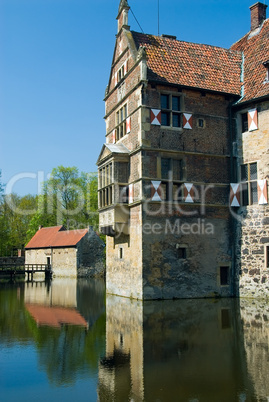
x=158, y=17
x=136, y=20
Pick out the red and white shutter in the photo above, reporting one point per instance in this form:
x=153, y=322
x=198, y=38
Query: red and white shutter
x=128, y=125
x=131, y=193
x=156, y=191
x=114, y=136
x=235, y=195
x=155, y=117
x=262, y=192
x=187, y=121
x=188, y=192
x=116, y=78
x=252, y=120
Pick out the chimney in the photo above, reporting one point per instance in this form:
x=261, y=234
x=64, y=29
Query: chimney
x=258, y=15
x=123, y=15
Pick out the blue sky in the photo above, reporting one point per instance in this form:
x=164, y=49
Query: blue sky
x=55, y=58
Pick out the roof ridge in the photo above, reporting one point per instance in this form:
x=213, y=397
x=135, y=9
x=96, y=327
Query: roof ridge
x=183, y=41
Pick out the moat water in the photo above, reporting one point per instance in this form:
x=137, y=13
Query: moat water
x=67, y=341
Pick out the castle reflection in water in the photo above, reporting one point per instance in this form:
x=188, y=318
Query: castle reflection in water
x=184, y=350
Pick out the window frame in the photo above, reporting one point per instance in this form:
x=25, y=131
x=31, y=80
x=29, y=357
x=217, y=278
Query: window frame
x=172, y=185
x=266, y=65
x=169, y=111
x=121, y=253
x=228, y=275
x=105, y=185
x=182, y=253
x=244, y=122
x=121, y=117
x=248, y=185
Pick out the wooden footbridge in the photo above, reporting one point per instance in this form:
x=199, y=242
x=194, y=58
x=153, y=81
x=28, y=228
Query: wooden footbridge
x=14, y=269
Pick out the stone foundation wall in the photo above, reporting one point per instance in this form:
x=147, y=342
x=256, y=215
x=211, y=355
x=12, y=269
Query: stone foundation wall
x=253, y=238
x=170, y=272
x=124, y=260
x=91, y=256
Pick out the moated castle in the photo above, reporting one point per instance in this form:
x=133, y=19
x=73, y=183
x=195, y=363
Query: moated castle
x=183, y=173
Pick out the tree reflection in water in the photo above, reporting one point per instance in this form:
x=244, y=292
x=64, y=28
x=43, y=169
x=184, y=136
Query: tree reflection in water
x=185, y=350
x=65, y=351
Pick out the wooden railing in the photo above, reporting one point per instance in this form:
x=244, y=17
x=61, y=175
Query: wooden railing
x=12, y=269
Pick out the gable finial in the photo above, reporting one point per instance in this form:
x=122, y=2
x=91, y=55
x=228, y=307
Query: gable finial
x=123, y=15
x=123, y=4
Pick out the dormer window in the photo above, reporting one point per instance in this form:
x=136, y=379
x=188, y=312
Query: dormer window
x=266, y=65
x=267, y=72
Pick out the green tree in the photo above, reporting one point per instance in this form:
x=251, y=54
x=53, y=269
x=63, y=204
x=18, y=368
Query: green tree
x=1, y=186
x=68, y=198
x=15, y=215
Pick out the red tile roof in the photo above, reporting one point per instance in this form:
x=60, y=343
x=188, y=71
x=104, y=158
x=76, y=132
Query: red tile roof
x=55, y=316
x=190, y=64
x=56, y=236
x=255, y=47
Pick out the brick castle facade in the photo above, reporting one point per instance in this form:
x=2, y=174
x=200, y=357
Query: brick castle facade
x=183, y=172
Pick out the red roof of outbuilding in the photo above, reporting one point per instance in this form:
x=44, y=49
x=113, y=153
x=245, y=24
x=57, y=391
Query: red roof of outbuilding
x=56, y=236
x=191, y=64
x=255, y=47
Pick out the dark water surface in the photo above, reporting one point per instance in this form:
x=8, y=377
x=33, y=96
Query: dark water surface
x=65, y=341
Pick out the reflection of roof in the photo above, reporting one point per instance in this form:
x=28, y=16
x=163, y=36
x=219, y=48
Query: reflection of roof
x=56, y=236
x=191, y=64
x=55, y=316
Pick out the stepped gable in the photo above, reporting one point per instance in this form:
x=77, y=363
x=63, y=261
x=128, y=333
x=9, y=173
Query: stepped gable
x=191, y=64
x=255, y=47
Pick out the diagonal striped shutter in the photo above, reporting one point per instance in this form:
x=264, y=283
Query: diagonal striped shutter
x=252, y=120
x=262, y=192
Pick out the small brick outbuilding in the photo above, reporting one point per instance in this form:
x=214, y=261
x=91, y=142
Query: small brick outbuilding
x=70, y=252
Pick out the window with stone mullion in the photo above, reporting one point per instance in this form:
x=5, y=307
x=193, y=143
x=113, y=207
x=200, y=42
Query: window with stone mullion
x=249, y=187
x=170, y=110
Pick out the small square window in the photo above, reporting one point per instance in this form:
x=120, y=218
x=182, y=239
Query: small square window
x=224, y=276
x=182, y=253
x=201, y=123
